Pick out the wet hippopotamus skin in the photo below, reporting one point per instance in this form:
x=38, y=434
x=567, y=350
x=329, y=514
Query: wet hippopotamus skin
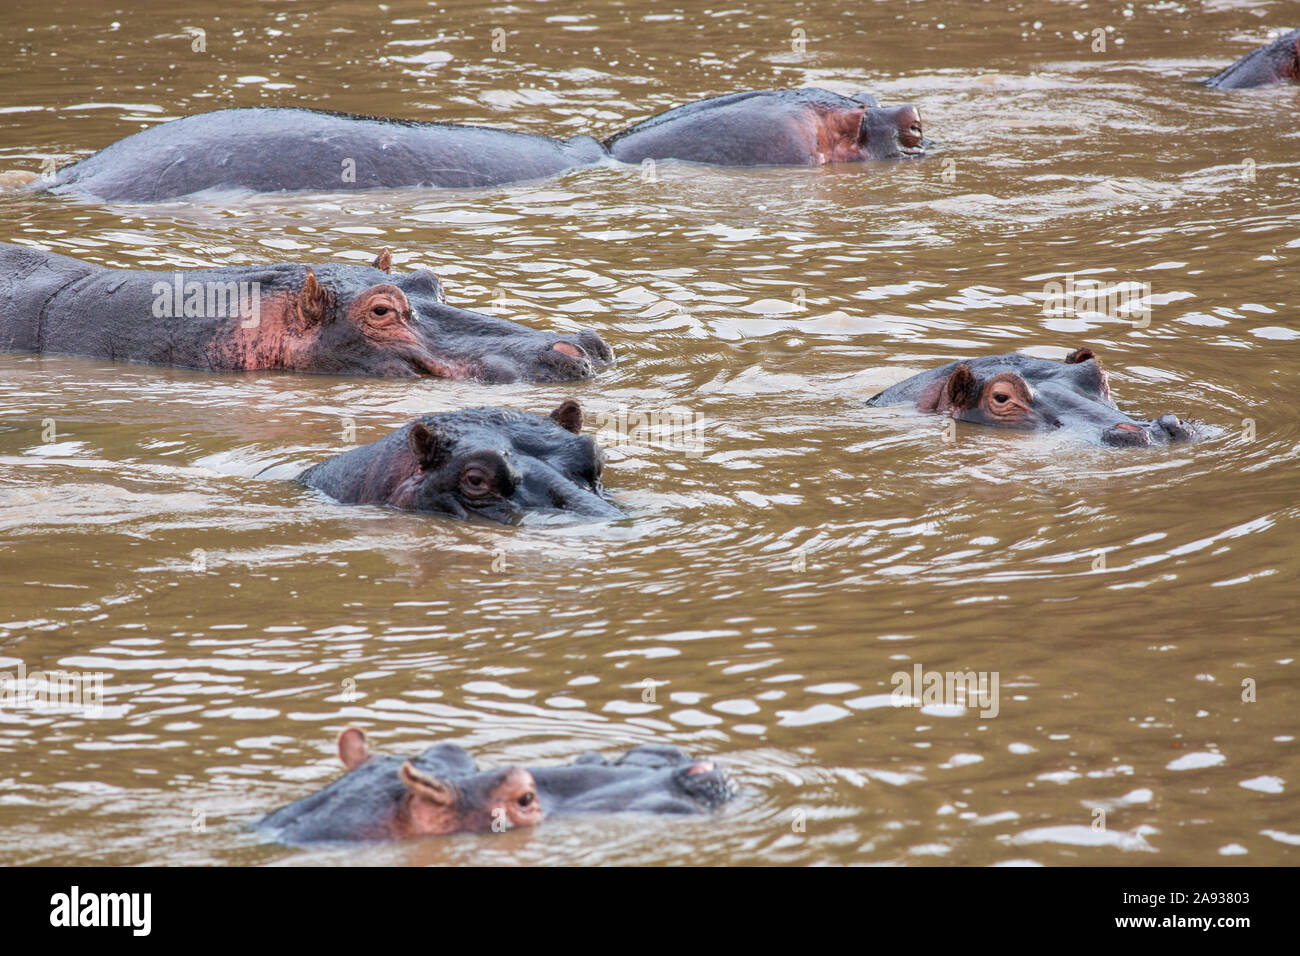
x=495, y=463
x=1275, y=62
x=282, y=149
x=809, y=127
x=331, y=319
x=442, y=791
x=277, y=149
x=1017, y=391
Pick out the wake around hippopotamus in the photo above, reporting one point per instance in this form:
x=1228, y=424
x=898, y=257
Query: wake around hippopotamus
x=1018, y=391
x=442, y=791
x=492, y=463
x=275, y=150
x=331, y=319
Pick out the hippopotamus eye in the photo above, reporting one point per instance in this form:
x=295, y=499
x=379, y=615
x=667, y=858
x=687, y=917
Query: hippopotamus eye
x=1001, y=397
x=527, y=799
x=476, y=482
x=381, y=310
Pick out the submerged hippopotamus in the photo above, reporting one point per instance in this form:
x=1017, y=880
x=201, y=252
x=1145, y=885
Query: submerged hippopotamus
x=442, y=791
x=340, y=320
x=273, y=149
x=492, y=462
x=1016, y=391
x=1272, y=63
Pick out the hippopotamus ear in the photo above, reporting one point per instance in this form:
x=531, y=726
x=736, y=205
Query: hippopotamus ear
x=568, y=416
x=432, y=807
x=429, y=445
x=961, y=390
x=866, y=98
x=384, y=261
x=1079, y=355
x=313, y=300
x=353, y=749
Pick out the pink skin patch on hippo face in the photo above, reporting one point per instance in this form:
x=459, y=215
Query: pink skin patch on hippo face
x=284, y=335
x=830, y=136
x=704, y=766
x=385, y=317
x=277, y=337
x=383, y=314
x=568, y=349
x=839, y=136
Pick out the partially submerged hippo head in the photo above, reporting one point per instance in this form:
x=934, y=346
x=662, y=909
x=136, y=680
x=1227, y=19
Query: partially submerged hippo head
x=889, y=132
x=491, y=462
x=806, y=127
x=1017, y=391
x=352, y=320
x=441, y=791
x=1274, y=62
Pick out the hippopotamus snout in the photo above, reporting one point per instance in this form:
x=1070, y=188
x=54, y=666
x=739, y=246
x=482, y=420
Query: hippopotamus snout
x=561, y=358
x=544, y=490
x=579, y=358
x=1166, y=428
x=894, y=131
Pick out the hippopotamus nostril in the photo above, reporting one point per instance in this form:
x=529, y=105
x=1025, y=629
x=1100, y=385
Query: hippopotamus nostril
x=1126, y=434
x=595, y=346
x=909, y=126
x=1175, y=428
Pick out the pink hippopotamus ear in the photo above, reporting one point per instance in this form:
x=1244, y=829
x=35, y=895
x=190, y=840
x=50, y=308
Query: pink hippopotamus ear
x=353, y=749
x=430, y=804
x=961, y=390
x=384, y=261
x=313, y=300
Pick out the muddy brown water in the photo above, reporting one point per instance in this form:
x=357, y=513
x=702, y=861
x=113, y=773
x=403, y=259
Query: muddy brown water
x=1139, y=608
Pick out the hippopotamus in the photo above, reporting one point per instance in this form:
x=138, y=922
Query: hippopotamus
x=775, y=128
x=442, y=791
x=332, y=319
x=266, y=149
x=491, y=462
x=1017, y=391
x=1272, y=63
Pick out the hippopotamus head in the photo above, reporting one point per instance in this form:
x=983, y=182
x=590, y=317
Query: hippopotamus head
x=804, y=127
x=442, y=791
x=384, y=797
x=890, y=132
x=366, y=321
x=491, y=462
x=1017, y=391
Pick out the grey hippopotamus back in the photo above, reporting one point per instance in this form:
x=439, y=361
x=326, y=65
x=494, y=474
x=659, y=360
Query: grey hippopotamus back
x=1274, y=62
x=274, y=149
